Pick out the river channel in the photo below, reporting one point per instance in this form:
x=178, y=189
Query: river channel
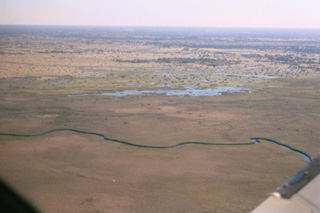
x=254, y=141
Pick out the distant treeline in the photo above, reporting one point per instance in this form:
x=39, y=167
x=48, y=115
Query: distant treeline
x=291, y=40
x=231, y=45
x=282, y=58
x=59, y=51
x=206, y=61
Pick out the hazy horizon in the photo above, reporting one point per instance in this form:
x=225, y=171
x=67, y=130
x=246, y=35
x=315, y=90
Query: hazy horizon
x=294, y=14
x=159, y=26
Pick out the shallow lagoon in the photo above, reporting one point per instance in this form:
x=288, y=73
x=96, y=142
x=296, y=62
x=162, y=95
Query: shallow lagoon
x=190, y=91
x=247, y=75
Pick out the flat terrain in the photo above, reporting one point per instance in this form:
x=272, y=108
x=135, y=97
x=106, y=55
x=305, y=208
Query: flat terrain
x=41, y=67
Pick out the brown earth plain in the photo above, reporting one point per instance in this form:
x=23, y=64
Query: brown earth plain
x=43, y=73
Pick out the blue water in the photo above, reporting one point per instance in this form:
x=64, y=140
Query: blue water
x=190, y=91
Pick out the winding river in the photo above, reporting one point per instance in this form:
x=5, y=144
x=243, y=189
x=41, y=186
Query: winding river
x=255, y=141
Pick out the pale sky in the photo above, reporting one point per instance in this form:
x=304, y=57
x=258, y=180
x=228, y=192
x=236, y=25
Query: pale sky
x=198, y=13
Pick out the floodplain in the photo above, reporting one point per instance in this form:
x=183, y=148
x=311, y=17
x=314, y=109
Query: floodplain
x=155, y=87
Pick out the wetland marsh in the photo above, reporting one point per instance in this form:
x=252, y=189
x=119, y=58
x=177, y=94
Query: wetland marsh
x=155, y=87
